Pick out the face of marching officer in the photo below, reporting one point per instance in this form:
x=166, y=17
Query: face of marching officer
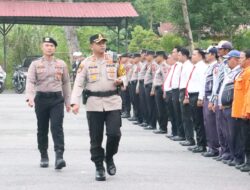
x=233, y=62
x=48, y=49
x=150, y=58
x=99, y=47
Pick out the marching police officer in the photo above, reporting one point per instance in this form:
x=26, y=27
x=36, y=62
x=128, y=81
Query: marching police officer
x=48, y=88
x=98, y=75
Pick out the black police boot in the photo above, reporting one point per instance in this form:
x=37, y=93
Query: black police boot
x=60, y=163
x=111, y=168
x=246, y=166
x=44, y=163
x=100, y=172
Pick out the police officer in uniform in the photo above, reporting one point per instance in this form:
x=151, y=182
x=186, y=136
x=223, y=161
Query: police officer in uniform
x=159, y=78
x=98, y=75
x=148, y=83
x=48, y=88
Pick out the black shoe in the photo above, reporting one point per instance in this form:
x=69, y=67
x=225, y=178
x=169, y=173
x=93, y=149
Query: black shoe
x=170, y=136
x=137, y=123
x=245, y=168
x=111, y=168
x=239, y=165
x=226, y=161
x=210, y=154
x=125, y=115
x=44, y=163
x=143, y=124
x=177, y=138
x=60, y=163
x=199, y=149
x=149, y=128
x=232, y=163
x=192, y=148
x=187, y=143
x=160, y=131
x=100, y=172
x=132, y=119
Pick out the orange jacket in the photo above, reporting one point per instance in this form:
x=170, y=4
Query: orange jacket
x=241, y=88
x=246, y=109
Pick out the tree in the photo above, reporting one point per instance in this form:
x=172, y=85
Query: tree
x=144, y=39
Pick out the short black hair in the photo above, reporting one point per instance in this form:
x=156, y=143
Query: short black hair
x=247, y=52
x=185, y=52
x=178, y=48
x=201, y=52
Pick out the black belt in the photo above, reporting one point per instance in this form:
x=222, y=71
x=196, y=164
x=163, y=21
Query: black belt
x=133, y=82
x=102, y=94
x=158, y=87
x=147, y=85
x=49, y=94
x=193, y=93
x=182, y=90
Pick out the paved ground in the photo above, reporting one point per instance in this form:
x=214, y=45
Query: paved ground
x=145, y=161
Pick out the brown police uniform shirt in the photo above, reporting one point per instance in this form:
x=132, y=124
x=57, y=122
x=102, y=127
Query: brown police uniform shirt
x=48, y=76
x=97, y=75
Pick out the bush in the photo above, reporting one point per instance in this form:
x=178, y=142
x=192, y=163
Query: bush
x=241, y=41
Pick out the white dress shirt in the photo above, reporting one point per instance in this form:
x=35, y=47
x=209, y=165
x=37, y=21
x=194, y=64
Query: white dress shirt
x=187, y=68
x=174, y=83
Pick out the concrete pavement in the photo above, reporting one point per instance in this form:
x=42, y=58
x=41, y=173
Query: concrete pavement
x=145, y=160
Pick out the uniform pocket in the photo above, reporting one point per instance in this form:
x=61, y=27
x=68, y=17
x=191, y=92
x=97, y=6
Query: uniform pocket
x=58, y=73
x=93, y=74
x=111, y=72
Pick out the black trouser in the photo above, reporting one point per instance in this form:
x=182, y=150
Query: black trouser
x=122, y=93
x=177, y=112
x=49, y=107
x=142, y=100
x=130, y=89
x=246, y=128
x=96, y=121
x=198, y=121
x=151, y=107
x=162, y=114
x=135, y=102
x=127, y=100
x=186, y=117
x=170, y=109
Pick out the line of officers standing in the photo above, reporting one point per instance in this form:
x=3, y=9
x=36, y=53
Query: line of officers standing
x=205, y=96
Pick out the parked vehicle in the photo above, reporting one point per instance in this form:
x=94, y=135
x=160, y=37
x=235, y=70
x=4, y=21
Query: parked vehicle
x=20, y=74
x=2, y=80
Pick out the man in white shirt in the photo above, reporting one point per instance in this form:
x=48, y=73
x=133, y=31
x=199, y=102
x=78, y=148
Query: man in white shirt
x=174, y=85
x=187, y=68
x=193, y=93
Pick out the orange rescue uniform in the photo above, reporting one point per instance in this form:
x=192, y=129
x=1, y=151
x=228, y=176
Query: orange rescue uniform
x=241, y=102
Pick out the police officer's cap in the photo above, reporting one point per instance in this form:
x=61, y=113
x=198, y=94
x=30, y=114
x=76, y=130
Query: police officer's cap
x=124, y=55
x=97, y=38
x=161, y=53
x=150, y=52
x=143, y=51
x=136, y=55
x=50, y=40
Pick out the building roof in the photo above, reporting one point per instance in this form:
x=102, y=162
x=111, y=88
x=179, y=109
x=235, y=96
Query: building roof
x=64, y=13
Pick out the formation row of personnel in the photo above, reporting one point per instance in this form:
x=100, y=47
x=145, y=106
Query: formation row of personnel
x=205, y=95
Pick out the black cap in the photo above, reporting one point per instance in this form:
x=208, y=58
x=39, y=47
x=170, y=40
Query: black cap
x=150, y=52
x=97, y=38
x=124, y=55
x=143, y=51
x=161, y=53
x=50, y=40
x=136, y=55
